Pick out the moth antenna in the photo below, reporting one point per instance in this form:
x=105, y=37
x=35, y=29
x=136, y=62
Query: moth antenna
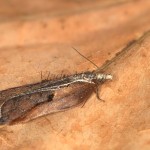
x=41, y=76
x=85, y=57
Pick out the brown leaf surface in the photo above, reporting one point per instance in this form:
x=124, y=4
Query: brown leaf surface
x=38, y=37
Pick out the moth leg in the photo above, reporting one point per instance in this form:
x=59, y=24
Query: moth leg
x=97, y=93
x=96, y=90
x=48, y=76
x=41, y=76
x=84, y=103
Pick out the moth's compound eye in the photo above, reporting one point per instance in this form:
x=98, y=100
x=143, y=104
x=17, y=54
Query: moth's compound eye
x=109, y=77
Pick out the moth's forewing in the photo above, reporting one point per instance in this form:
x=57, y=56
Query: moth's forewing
x=11, y=92
x=17, y=107
x=64, y=99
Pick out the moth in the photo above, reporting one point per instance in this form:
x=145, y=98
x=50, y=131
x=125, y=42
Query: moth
x=30, y=101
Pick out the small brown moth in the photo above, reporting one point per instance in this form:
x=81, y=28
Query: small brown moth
x=31, y=101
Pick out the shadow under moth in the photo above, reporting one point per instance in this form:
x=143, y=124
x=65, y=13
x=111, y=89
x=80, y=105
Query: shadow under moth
x=25, y=103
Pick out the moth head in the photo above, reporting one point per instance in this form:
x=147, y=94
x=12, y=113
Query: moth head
x=102, y=77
